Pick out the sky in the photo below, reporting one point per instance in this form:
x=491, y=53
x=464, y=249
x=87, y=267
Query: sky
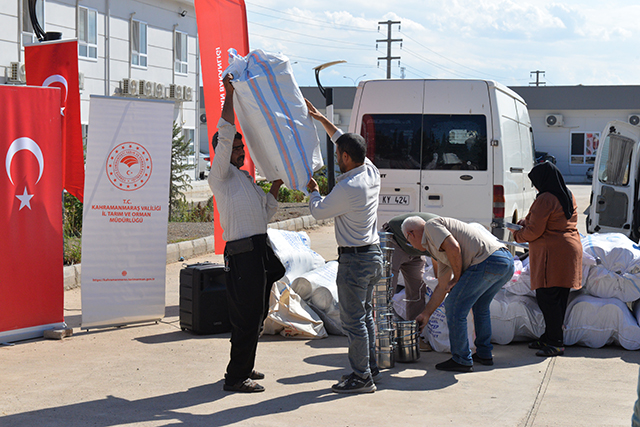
x=588, y=42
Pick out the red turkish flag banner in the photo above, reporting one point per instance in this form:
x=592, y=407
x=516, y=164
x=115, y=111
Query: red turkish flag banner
x=55, y=64
x=31, y=278
x=222, y=24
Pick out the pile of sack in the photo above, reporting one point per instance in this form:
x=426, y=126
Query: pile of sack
x=304, y=303
x=605, y=311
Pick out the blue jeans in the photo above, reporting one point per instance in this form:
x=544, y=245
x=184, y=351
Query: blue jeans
x=635, y=418
x=474, y=291
x=357, y=275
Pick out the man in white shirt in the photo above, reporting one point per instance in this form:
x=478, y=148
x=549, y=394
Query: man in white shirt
x=252, y=265
x=472, y=266
x=353, y=203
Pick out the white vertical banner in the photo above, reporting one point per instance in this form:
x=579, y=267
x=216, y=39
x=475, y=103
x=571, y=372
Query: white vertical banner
x=124, y=232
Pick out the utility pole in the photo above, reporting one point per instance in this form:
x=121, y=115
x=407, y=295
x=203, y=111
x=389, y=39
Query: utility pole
x=537, y=82
x=388, y=40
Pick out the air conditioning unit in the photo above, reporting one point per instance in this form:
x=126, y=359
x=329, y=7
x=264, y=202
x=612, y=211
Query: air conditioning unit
x=134, y=87
x=203, y=118
x=128, y=87
x=159, y=91
x=81, y=81
x=188, y=93
x=147, y=88
x=554, y=120
x=634, y=119
x=16, y=73
x=175, y=92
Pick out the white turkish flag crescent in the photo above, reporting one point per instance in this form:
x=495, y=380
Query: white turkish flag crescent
x=28, y=144
x=57, y=78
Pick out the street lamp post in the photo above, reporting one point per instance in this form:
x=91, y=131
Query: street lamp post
x=328, y=97
x=355, y=81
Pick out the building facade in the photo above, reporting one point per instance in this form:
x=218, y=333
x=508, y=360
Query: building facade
x=133, y=48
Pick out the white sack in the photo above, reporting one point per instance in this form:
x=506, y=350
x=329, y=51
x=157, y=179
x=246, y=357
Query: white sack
x=520, y=283
x=274, y=118
x=293, y=249
x=617, y=274
x=596, y=322
x=319, y=285
x=290, y=316
x=437, y=331
x=319, y=289
x=515, y=318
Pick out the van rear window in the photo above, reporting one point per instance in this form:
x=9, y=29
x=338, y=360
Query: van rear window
x=430, y=141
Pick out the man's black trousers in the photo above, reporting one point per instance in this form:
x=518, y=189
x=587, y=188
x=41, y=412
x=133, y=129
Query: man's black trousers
x=253, y=267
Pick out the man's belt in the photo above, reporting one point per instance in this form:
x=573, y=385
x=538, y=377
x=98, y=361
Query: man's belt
x=357, y=249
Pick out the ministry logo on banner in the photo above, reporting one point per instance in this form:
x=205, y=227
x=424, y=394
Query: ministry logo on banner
x=129, y=166
x=124, y=234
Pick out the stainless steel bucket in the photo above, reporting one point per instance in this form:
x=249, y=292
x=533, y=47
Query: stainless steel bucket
x=407, y=348
x=386, y=358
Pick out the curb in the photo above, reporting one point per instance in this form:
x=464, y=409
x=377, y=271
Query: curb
x=204, y=245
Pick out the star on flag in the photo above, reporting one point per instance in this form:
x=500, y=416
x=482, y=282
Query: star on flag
x=25, y=199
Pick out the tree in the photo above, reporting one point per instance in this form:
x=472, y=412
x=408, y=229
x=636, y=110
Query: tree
x=180, y=152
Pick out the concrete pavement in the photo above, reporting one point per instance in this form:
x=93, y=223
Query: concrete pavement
x=157, y=375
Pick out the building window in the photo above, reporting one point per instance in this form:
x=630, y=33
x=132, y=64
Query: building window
x=181, y=52
x=189, y=136
x=87, y=32
x=584, y=147
x=139, y=43
x=28, y=35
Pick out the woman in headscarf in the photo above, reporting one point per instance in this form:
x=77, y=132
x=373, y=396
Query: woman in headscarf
x=555, y=252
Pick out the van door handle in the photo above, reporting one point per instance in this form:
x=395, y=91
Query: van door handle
x=466, y=177
x=518, y=170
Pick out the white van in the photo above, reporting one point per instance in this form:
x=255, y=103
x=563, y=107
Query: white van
x=614, y=189
x=456, y=148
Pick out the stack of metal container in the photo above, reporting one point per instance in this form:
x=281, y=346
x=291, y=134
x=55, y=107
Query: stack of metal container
x=382, y=309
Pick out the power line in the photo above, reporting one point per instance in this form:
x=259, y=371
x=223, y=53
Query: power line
x=304, y=43
x=448, y=59
x=435, y=64
x=306, y=35
x=349, y=27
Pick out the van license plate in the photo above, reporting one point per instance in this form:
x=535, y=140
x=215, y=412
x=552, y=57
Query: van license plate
x=396, y=199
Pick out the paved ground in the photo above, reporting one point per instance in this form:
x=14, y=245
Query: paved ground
x=157, y=375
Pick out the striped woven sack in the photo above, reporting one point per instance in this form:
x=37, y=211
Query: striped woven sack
x=274, y=118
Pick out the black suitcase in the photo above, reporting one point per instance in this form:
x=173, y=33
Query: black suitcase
x=203, y=299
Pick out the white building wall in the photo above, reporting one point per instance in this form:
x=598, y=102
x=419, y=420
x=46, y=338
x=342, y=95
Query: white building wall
x=556, y=140
x=103, y=75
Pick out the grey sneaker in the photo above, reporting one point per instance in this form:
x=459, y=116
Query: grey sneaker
x=375, y=374
x=354, y=384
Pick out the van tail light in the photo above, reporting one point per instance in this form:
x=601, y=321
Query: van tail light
x=498, y=202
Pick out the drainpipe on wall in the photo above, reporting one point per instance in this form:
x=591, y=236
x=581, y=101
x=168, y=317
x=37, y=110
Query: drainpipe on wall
x=107, y=51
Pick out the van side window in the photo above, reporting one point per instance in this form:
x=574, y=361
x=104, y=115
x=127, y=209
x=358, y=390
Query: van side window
x=454, y=142
x=615, y=160
x=393, y=140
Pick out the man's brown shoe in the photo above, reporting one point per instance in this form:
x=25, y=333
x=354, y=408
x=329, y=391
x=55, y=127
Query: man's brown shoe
x=246, y=386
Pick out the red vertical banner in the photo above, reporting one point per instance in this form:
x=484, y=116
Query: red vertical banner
x=31, y=282
x=55, y=64
x=222, y=24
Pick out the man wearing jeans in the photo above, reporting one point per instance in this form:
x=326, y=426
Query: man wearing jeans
x=353, y=203
x=472, y=267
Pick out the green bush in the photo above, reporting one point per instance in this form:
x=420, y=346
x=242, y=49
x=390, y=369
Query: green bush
x=285, y=195
x=72, y=250
x=192, y=212
x=71, y=216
